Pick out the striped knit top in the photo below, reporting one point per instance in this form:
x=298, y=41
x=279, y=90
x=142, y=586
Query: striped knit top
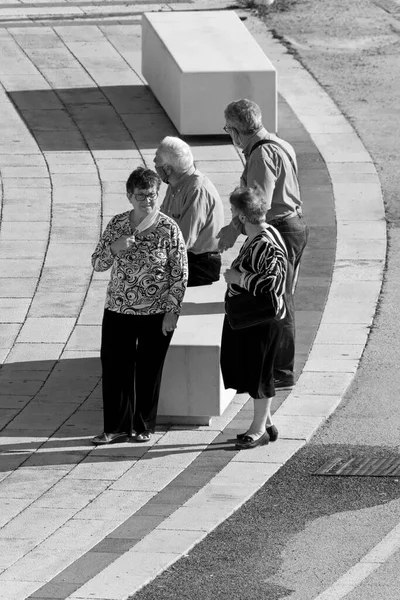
x=262, y=262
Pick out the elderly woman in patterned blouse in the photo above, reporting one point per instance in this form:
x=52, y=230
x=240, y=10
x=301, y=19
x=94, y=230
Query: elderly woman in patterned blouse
x=248, y=355
x=146, y=253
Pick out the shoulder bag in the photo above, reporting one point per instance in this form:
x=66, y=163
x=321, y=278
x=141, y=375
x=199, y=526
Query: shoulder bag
x=246, y=310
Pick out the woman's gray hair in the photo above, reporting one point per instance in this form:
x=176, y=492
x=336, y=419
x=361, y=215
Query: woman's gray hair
x=251, y=203
x=176, y=153
x=245, y=114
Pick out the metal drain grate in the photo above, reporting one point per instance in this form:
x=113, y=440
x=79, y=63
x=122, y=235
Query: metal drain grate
x=361, y=467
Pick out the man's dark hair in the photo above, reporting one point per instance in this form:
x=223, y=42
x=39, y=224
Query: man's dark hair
x=142, y=178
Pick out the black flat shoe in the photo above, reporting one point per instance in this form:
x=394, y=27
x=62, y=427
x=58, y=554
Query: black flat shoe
x=272, y=432
x=247, y=442
x=283, y=384
x=110, y=438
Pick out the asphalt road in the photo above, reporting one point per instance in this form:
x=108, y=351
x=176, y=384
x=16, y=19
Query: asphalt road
x=301, y=532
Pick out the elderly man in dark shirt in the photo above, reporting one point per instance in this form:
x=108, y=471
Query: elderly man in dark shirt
x=194, y=203
x=271, y=165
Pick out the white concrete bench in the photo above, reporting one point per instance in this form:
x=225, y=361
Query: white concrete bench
x=197, y=62
x=191, y=389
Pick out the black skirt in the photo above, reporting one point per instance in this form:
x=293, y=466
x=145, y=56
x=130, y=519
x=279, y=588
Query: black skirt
x=248, y=356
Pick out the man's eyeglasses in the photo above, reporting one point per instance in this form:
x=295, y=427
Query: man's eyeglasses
x=141, y=196
x=228, y=129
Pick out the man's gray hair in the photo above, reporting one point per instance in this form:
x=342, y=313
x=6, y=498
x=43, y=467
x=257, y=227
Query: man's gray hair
x=245, y=114
x=176, y=153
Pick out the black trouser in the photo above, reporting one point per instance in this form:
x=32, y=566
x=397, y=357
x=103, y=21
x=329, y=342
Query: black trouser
x=295, y=235
x=203, y=268
x=133, y=350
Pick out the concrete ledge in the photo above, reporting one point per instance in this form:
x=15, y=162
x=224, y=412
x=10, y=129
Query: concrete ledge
x=192, y=390
x=192, y=64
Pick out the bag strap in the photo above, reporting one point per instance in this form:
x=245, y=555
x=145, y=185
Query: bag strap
x=274, y=143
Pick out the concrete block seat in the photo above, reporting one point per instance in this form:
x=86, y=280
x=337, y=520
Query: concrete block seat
x=191, y=389
x=197, y=62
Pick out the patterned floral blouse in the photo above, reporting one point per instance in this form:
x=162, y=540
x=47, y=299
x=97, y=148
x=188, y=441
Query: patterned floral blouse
x=151, y=276
x=262, y=262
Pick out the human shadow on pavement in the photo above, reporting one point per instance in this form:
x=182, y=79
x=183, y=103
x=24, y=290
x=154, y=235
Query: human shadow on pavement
x=50, y=410
x=107, y=118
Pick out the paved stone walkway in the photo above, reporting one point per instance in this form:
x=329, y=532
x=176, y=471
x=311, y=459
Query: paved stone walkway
x=75, y=116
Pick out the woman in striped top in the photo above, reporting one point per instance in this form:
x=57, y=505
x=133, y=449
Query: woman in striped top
x=248, y=355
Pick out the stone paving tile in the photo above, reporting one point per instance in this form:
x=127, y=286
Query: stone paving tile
x=98, y=468
x=358, y=270
x=14, y=402
x=327, y=365
x=47, y=304
x=37, y=195
x=13, y=310
x=68, y=278
x=323, y=383
x=24, y=183
x=12, y=550
x=27, y=251
x=38, y=418
x=145, y=477
x=16, y=590
x=114, y=504
x=22, y=160
x=63, y=461
x=24, y=268
x=85, y=337
x=8, y=333
x=46, y=330
x=19, y=388
x=49, y=558
x=356, y=333
x=34, y=523
x=14, y=230
x=308, y=405
x=361, y=230
x=72, y=493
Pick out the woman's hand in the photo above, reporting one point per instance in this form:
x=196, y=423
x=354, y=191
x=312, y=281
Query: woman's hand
x=227, y=237
x=169, y=322
x=232, y=276
x=123, y=243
